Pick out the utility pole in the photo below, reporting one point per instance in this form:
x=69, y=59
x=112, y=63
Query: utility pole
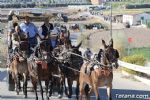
x=111, y=19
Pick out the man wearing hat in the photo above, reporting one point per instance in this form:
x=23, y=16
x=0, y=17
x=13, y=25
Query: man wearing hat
x=31, y=30
x=46, y=27
x=49, y=32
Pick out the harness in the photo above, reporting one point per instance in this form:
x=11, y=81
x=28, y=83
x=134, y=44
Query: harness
x=18, y=55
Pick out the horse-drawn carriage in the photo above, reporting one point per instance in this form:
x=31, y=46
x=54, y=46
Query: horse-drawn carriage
x=41, y=65
x=63, y=61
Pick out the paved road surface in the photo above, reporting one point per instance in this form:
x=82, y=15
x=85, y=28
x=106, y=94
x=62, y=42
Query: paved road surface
x=121, y=86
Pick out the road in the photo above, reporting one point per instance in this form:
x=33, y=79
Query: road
x=121, y=86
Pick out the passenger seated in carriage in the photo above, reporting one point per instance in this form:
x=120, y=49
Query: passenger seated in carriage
x=64, y=34
x=15, y=37
x=49, y=32
x=11, y=30
x=18, y=36
x=9, y=36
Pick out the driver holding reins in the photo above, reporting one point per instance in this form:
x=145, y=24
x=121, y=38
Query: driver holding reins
x=31, y=30
x=49, y=32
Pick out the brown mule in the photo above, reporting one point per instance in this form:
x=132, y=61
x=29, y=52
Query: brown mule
x=42, y=65
x=101, y=74
x=18, y=67
x=38, y=65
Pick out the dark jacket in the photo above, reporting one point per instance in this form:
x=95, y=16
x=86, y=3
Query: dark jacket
x=45, y=30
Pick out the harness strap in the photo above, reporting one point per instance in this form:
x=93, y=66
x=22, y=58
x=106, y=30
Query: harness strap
x=90, y=60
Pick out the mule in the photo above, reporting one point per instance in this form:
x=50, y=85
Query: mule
x=71, y=66
x=42, y=65
x=100, y=74
x=19, y=67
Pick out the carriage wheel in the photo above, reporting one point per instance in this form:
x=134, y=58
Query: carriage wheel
x=11, y=84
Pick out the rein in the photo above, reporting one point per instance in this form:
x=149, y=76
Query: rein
x=83, y=58
x=73, y=69
x=18, y=54
x=90, y=60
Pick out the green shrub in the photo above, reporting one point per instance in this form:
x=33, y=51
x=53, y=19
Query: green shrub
x=137, y=59
x=148, y=24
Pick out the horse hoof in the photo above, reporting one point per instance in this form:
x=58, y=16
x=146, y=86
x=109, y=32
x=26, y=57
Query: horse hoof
x=66, y=92
x=50, y=95
x=17, y=93
x=69, y=96
x=59, y=96
x=47, y=98
x=36, y=98
x=25, y=96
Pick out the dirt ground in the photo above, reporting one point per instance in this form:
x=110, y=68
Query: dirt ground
x=138, y=37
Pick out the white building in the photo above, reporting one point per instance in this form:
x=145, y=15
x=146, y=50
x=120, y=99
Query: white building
x=136, y=19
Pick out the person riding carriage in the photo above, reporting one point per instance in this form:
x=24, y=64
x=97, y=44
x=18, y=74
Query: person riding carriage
x=31, y=30
x=64, y=34
x=17, y=37
x=14, y=36
x=50, y=33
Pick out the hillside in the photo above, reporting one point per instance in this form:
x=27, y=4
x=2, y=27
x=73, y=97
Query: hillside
x=119, y=7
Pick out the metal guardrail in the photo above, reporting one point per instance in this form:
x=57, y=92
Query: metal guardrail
x=134, y=67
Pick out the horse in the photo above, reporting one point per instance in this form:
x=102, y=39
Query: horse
x=19, y=67
x=71, y=62
x=42, y=65
x=101, y=72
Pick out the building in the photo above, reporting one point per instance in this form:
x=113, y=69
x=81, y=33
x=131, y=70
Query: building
x=136, y=19
x=96, y=2
x=113, y=0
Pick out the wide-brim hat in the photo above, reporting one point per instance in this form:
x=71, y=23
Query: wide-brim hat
x=49, y=16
